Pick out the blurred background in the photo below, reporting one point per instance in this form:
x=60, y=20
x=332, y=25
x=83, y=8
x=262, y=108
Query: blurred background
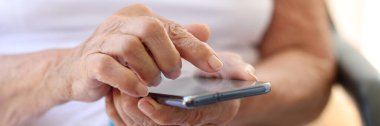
x=358, y=22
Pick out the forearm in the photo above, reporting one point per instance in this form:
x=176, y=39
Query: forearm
x=300, y=88
x=297, y=59
x=26, y=86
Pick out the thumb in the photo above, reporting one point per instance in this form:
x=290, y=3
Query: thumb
x=168, y=115
x=200, y=31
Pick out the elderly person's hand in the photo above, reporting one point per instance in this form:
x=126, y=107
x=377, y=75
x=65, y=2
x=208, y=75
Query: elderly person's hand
x=127, y=110
x=129, y=51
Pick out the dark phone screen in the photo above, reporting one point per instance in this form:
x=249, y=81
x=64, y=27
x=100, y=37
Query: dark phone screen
x=198, y=86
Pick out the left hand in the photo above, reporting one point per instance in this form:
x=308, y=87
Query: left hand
x=127, y=110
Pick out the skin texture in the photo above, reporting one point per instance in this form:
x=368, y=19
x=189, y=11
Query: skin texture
x=127, y=110
x=295, y=57
x=127, y=52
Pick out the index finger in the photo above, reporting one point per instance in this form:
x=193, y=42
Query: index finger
x=192, y=49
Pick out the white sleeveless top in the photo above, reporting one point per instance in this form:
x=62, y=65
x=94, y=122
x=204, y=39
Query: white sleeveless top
x=33, y=25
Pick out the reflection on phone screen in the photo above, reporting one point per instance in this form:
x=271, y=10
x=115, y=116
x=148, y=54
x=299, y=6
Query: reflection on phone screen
x=196, y=86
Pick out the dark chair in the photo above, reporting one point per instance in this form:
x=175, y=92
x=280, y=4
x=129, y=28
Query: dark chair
x=360, y=78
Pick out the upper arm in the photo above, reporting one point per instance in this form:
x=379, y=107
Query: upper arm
x=298, y=24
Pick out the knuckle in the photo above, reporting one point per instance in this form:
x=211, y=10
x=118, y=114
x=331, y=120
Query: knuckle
x=114, y=17
x=111, y=24
x=196, y=48
x=150, y=26
x=176, y=31
x=102, y=64
x=130, y=44
x=135, y=10
x=191, y=44
x=140, y=7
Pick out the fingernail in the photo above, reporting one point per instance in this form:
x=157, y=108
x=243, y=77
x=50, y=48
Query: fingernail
x=157, y=81
x=215, y=63
x=251, y=72
x=142, y=90
x=146, y=107
x=175, y=74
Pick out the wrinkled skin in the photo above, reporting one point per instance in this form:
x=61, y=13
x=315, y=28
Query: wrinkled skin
x=143, y=28
x=130, y=50
x=295, y=52
x=125, y=109
x=127, y=52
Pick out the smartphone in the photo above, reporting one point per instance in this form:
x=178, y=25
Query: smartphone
x=196, y=91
